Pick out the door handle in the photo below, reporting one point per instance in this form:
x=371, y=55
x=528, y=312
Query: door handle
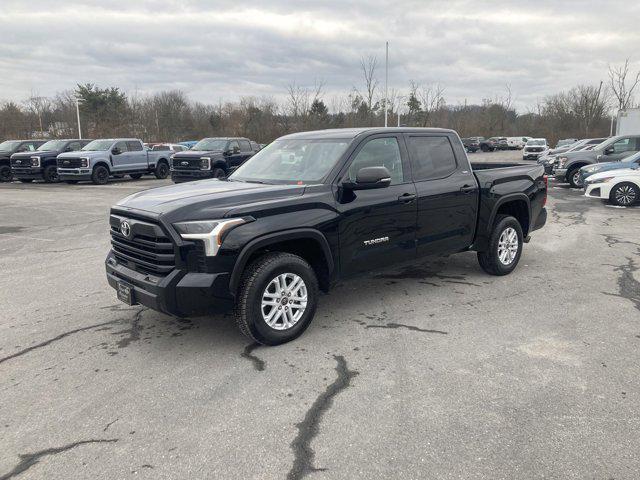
x=466, y=189
x=407, y=197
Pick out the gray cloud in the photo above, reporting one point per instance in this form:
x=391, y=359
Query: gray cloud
x=226, y=49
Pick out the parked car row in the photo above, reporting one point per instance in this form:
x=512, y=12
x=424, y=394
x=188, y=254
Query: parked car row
x=473, y=144
x=75, y=160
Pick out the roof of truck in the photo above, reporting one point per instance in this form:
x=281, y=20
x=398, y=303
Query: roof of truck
x=354, y=132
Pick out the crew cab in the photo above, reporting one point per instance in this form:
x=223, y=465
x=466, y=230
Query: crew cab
x=8, y=148
x=614, y=149
x=313, y=208
x=41, y=164
x=100, y=159
x=211, y=158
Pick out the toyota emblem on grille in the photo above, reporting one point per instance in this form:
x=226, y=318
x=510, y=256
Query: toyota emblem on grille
x=184, y=164
x=125, y=228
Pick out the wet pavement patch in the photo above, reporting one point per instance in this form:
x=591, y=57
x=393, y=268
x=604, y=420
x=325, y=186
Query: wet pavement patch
x=258, y=363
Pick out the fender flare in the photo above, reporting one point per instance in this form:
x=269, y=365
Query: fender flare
x=272, y=238
x=506, y=199
x=220, y=163
x=101, y=162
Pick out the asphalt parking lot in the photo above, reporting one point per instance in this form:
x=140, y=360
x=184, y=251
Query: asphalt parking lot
x=434, y=370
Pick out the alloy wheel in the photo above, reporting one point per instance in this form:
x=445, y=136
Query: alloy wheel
x=508, y=246
x=284, y=301
x=625, y=195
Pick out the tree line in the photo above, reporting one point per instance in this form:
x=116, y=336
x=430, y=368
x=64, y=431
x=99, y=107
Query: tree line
x=170, y=116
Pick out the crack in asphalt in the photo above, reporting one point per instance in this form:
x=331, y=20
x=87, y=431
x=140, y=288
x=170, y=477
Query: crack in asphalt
x=308, y=429
x=408, y=327
x=628, y=286
x=56, y=338
x=258, y=363
x=133, y=333
x=28, y=460
x=612, y=241
x=109, y=424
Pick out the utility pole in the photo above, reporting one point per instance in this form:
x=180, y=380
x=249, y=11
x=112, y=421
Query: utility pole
x=386, y=83
x=78, y=117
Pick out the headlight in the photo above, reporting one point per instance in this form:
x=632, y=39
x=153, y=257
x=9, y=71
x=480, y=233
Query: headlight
x=590, y=169
x=211, y=232
x=84, y=162
x=35, y=161
x=602, y=180
x=561, y=161
x=205, y=163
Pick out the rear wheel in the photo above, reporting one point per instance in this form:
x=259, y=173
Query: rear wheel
x=50, y=174
x=277, y=298
x=484, y=148
x=624, y=194
x=135, y=176
x=5, y=173
x=505, y=247
x=573, y=177
x=100, y=175
x=162, y=170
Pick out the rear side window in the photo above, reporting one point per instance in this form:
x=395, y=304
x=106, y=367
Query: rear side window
x=431, y=157
x=134, y=146
x=245, y=146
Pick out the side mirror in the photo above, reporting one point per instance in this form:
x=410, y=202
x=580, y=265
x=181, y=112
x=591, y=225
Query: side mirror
x=369, y=178
x=115, y=151
x=68, y=149
x=608, y=151
x=236, y=149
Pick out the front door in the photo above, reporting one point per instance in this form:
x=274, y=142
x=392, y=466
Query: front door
x=621, y=149
x=120, y=161
x=447, y=194
x=378, y=225
x=234, y=155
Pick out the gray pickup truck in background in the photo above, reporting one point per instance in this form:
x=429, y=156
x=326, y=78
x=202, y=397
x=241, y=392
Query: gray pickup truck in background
x=614, y=149
x=101, y=159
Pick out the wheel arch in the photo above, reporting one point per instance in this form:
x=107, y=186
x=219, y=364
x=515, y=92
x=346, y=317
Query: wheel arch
x=304, y=242
x=103, y=163
x=518, y=206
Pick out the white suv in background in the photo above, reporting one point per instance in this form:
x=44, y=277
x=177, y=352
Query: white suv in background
x=534, y=148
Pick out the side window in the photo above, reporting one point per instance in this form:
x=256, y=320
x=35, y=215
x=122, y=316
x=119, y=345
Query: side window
x=431, y=157
x=622, y=145
x=379, y=152
x=245, y=146
x=134, y=146
x=122, y=146
x=73, y=146
x=233, y=145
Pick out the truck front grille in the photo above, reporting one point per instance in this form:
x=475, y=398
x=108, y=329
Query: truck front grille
x=21, y=162
x=188, y=163
x=147, y=249
x=69, y=163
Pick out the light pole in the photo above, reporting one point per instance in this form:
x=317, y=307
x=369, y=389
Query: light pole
x=78, y=117
x=400, y=98
x=386, y=82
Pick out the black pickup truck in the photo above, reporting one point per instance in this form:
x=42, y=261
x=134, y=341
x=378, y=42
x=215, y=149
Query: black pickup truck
x=8, y=148
x=41, y=164
x=312, y=208
x=211, y=158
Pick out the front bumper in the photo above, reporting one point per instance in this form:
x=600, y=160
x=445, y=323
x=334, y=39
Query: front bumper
x=560, y=174
x=180, y=293
x=179, y=176
x=531, y=155
x=598, y=190
x=22, y=173
x=74, y=174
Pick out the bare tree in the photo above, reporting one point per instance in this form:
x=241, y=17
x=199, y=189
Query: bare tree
x=431, y=99
x=618, y=83
x=368, y=66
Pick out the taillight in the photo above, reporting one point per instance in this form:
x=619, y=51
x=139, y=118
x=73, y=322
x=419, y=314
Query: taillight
x=546, y=187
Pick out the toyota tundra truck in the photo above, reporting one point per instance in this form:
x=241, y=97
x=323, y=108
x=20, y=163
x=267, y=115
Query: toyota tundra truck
x=313, y=208
x=101, y=159
x=211, y=158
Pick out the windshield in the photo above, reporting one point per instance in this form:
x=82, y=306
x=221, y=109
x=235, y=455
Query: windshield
x=536, y=143
x=210, y=144
x=98, y=146
x=52, y=145
x=9, y=145
x=292, y=161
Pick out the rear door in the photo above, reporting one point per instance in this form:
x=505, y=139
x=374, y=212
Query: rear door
x=377, y=227
x=138, y=158
x=447, y=193
x=245, y=149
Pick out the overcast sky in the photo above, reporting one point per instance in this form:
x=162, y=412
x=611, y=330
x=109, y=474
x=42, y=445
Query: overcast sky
x=219, y=49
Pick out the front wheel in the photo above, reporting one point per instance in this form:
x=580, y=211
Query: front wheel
x=573, y=177
x=624, y=194
x=5, y=173
x=162, y=170
x=277, y=298
x=50, y=174
x=505, y=247
x=100, y=175
x=219, y=173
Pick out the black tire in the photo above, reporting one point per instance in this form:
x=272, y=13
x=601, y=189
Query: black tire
x=484, y=148
x=135, y=176
x=50, y=174
x=625, y=194
x=255, y=280
x=71, y=182
x=490, y=260
x=5, y=173
x=162, y=170
x=219, y=173
x=573, y=178
x=100, y=175
x=26, y=180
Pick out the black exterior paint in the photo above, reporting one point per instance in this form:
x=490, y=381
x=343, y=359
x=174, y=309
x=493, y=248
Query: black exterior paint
x=446, y=215
x=23, y=170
